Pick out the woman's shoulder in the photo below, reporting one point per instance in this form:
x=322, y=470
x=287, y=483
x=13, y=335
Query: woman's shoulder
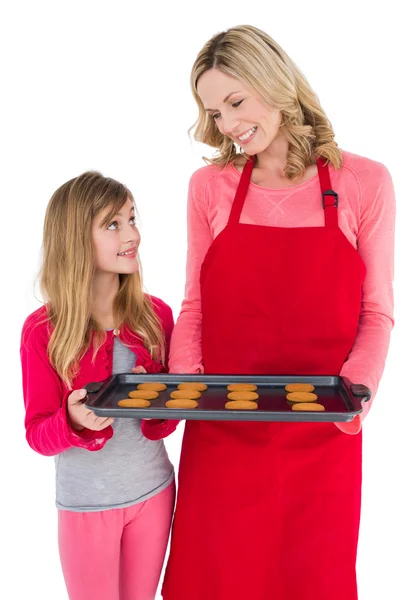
x=365, y=170
x=201, y=177
x=36, y=326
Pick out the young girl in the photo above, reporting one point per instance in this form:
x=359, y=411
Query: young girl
x=115, y=489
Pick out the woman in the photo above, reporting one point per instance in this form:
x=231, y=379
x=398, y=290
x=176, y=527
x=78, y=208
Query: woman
x=290, y=267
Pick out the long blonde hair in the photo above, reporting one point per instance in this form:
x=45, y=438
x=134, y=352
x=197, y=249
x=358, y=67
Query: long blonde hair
x=253, y=57
x=68, y=270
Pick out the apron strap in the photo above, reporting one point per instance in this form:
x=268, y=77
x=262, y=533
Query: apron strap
x=241, y=192
x=330, y=198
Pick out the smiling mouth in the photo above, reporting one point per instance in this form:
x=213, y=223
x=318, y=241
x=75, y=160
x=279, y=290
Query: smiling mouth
x=245, y=136
x=127, y=252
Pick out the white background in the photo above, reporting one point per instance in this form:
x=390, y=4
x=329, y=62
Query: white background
x=105, y=85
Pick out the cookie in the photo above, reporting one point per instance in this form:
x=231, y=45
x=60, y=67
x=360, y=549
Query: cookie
x=181, y=403
x=299, y=387
x=155, y=387
x=134, y=403
x=308, y=406
x=241, y=405
x=301, y=397
x=243, y=396
x=242, y=387
x=185, y=394
x=200, y=387
x=143, y=394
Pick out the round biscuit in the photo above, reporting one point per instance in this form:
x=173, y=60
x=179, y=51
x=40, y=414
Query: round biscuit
x=241, y=405
x=192, y=385
x=182, y=403
x=299, y=387
x=185, y=394
x=143, y=394
x=134, y=403
x=243, y=396
x=308, y=406
x=155, y=387
x=301, y=397
x=242, y=387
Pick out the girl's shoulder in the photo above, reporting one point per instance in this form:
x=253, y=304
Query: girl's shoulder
x=36, y=327
x=162, y=310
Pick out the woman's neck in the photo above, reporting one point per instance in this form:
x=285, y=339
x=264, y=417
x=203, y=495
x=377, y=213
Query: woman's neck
x=105, y=288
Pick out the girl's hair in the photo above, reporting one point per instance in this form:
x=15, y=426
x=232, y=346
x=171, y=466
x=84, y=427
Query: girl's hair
x=68, y=270
x=253, y=57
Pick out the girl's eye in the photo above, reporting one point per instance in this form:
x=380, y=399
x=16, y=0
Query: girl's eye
x=132, y=220
x=112, y=226
x=236, y=104
x=215, y=116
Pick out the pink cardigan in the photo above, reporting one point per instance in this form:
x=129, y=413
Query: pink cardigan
x=48, y=430
x=367, y=219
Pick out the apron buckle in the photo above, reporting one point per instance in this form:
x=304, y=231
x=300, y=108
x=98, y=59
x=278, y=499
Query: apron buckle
x=330, y=193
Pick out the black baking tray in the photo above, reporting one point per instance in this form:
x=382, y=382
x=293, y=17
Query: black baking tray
x=342, y=399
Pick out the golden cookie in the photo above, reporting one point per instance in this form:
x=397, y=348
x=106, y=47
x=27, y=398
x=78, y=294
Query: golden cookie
x=301, y=397
x=134, y=403
x=241, y=405
x=185, y=394
x=307, y=406
x=181, y=403
x=242, y=387
x=155, y=387
x=243, y=396
x=143, y=394
x=200, y=387
x=299, y=387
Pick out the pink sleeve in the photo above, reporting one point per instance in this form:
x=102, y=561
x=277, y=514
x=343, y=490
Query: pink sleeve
x=185, y=355
x=375, y=239
x=47, y=427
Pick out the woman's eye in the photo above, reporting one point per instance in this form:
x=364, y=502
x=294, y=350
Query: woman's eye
x=113, y=225
x=236, y=104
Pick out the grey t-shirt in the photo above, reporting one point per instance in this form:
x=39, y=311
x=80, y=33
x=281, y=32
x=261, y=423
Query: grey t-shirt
x=127, y=470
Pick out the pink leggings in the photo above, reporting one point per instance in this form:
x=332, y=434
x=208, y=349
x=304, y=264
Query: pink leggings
x=116, y=554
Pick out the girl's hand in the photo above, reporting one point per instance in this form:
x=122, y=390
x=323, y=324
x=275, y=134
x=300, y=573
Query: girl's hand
x=80, y=417
x=139, y=370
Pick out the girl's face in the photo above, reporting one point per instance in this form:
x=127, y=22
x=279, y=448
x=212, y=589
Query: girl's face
x=117, y=241
x=239, y=112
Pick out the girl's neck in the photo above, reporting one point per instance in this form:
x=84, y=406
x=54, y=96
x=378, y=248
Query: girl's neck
x=105, y=288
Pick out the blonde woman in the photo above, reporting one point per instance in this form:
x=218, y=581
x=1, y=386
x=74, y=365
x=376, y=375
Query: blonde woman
x=289, y=271
x=114, y=488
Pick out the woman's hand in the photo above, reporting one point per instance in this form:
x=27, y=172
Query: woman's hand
x=82, y=418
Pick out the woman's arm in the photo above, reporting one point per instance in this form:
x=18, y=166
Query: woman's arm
x=48, y=430
x=186, y=355
x=375, y=239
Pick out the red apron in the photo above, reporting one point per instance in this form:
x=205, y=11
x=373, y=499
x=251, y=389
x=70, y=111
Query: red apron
x=270, y=511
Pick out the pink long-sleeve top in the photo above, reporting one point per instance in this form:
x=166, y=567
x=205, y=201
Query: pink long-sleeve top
x=367, y=219
x=48, y=430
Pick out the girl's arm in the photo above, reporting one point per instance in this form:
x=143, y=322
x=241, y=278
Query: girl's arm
x=375, y=239
x=156, y=429
x=48, y=430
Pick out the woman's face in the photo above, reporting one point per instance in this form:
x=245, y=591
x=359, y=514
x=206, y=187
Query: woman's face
x=116, y=242
x=238, y=111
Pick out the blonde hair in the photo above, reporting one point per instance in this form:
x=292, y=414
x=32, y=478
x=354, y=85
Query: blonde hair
x=68, y=270
x=253, y=57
